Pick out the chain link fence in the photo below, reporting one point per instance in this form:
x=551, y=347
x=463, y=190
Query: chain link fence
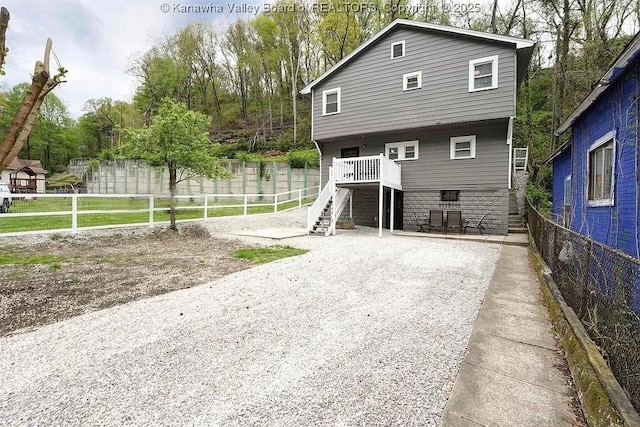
x=602, y=286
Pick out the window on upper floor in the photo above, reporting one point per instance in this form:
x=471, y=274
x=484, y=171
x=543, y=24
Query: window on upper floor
x=412, y=81
x=601, y=169
x=397, y=50
x=331, y=101
x=463, y=147
x=406, y=150
x=483, y=73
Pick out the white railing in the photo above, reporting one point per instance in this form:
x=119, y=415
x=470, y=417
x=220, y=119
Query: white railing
x=340, y=201
x=313, y=212
x=367, y=169
x=391, y=173
x=47, y=213
x=520, y=159
x=357, y=169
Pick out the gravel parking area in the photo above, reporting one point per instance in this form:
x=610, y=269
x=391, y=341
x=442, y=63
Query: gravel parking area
x=359, y=331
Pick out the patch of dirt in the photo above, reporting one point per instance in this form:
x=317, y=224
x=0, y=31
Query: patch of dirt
x=106, y=270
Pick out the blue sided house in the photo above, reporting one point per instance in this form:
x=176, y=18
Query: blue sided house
x=596, y=172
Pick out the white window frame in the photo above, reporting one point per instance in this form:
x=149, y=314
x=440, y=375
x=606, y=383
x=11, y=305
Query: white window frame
x=327, y=92
x=567, y=196
x=401, y=146
x=494, y=73
x=403, y=49
x=457, y=139
x=607, y=201
x=406, y=77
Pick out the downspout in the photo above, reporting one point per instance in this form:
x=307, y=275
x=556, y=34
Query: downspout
x=510, y=144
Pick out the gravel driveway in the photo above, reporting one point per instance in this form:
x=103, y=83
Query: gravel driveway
x=359, y=331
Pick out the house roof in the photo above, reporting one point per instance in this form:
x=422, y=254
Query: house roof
x=561, y=149
x=627, y=56
x=34, y=166
x=520, y=44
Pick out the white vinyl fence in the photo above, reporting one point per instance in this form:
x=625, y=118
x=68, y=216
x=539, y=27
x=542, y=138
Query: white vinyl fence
x=46, y=213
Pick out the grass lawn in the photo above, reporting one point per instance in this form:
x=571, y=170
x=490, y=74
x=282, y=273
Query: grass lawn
x=264, y=255
x=30, y=259
x=194, y=210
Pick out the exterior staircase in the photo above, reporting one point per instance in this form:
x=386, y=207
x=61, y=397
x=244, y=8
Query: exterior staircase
x=516, y=224
x=323, y=215
x=323, y=222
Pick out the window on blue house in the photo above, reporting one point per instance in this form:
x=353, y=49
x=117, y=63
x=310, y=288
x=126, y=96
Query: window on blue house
x=601, y=168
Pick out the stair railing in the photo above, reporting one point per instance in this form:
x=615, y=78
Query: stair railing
x=340, y=200
x=313, y=212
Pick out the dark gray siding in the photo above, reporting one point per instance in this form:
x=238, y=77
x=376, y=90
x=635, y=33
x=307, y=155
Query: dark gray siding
x=372, y=95
x=433, y=170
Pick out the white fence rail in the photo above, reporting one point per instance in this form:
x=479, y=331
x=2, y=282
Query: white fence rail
x=46, y=213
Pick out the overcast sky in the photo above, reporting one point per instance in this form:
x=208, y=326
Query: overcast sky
x=95, y=40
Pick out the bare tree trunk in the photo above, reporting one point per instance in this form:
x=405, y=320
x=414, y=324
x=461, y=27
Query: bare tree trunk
x=559, y=71
x=30, y=100
x=172, y=201
x=494, y=26
x=4, y=23
x=26, y=129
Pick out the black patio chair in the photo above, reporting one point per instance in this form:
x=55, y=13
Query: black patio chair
x=478, y=225
x=421, y=223
x=436, y=220
x=454, y=221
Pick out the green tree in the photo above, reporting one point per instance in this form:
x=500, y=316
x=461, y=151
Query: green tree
x=178, y=139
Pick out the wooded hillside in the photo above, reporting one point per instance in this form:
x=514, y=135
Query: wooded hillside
x=247, y=76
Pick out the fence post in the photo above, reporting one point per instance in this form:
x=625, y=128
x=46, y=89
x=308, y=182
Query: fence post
x=245, y=205
x=126, y=176
x=585, y=277
x=306, y=177
x=244, y=177
x=151, y=210
x=275, y=203
x=206, y=207
x=300, y=198
x=74, y=212
x=275, y=177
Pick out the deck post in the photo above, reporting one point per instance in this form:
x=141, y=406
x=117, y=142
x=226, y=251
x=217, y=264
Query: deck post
x=391, y=209
x=380, y=201
x=333, y=197
x=351, y=205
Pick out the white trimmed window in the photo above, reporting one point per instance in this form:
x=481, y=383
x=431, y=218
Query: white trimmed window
x=483, y=73
x=405, y=150
x=567, y=191
x=331, y=101
x=412, y=81
x=463, y=147
x=601, y=169
x=397, y=50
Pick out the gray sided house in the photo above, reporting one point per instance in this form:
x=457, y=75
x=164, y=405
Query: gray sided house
x=417, y=118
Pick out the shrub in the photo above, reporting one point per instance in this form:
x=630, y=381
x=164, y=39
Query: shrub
x=297, y=159
x=538, y=196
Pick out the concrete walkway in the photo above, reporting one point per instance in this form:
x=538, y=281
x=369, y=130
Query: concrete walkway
x=510, y=374
x=509, y=240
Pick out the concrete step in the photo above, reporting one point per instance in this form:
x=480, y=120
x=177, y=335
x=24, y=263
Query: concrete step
x=517, y=230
